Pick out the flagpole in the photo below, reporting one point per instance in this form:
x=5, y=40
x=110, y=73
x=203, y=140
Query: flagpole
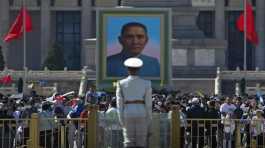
x=245, y=35
x=24, y=48
x=24, y=36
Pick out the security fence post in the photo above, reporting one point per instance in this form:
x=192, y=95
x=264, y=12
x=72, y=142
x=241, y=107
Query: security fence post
x=92, y=127
x=28, y=143
x=154, y=138
x=63, y=133
x=34, y=131
x=238, y=134
x=175, y=130
x=253, y=143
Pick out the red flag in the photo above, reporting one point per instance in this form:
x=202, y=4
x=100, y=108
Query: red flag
x=60, y=98
x=6, y=80
x=251, y=32
x=17, y=29
x=73, y=103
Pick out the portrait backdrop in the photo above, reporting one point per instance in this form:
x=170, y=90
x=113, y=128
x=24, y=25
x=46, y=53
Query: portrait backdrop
x=158, y=47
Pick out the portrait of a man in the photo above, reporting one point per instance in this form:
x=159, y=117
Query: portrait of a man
x=133, y=39
x=139, y=32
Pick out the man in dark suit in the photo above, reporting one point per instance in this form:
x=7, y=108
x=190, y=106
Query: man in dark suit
x=212, y=125
x=197, y=132
x=133, y=39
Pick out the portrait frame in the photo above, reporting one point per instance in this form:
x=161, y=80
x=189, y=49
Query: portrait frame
x=109, y=19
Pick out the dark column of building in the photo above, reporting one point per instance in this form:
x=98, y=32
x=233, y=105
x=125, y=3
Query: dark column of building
x=260, y=28
x=86, y=31
x=220, y=31
x=220, y=19
x=4, y=25
x=45, y=28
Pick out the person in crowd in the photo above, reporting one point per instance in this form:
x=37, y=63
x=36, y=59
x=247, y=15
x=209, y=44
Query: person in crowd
x=74, y=126
x=238, y=112
x=114, y=125
x=91, y=95
x=250, y=108
x=227, y=113
x=229, y=128
x=7, y=133
x=19, y=124
x=84, y=116
x=212, y=126
x=46, y=126
x=59, y=116
x=257, y=127
x=196, y=112
x=253, y=106
x=134, y=103
x=227, y=107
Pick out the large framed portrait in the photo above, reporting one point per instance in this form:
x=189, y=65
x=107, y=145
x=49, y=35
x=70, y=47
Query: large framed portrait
x=133, y=32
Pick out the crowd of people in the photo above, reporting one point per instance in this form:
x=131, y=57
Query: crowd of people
x=226, y=114
x=248, y=110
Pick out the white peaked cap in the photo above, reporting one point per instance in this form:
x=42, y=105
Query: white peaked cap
x=133, y=63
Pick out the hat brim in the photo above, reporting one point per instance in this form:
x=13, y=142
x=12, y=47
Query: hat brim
x=133, y=63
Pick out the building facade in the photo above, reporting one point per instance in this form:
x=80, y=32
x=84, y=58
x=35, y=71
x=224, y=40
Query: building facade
x=204, y=33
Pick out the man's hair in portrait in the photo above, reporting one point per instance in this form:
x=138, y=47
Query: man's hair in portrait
x=133, y=24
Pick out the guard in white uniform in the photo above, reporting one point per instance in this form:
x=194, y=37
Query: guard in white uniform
x=134, y=103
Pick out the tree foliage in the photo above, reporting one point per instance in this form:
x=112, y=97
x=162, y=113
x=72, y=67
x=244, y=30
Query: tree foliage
x=55, y=58
x=243, y=86
x=2, y=61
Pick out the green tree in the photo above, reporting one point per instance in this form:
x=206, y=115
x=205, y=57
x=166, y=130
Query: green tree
x=55, y=58
x=243, y=86
x=2, y=61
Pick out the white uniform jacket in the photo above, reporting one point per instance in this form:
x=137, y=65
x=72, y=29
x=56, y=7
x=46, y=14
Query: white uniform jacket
x=134, y=88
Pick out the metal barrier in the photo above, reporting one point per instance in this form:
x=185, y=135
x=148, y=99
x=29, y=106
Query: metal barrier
x=110, y=132
x=215, y=133
x=98, y=131
x=14, y=133
x=38, y=132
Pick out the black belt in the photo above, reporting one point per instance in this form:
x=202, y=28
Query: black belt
x=134, y=102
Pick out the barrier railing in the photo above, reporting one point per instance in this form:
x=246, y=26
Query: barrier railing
x=217, y=132
x=14, y=132
x=98, y=131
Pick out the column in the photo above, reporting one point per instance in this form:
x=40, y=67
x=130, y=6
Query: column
x=45, y=28
x=218, y=81
x=220, y=19
x=260, y=28
x=220, y=32
x=4, y=23
x=86, y=29
x=89, y=48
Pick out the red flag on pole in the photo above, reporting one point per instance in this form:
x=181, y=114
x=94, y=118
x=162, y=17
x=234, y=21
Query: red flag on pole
x=17, y=29
x=251, y=32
